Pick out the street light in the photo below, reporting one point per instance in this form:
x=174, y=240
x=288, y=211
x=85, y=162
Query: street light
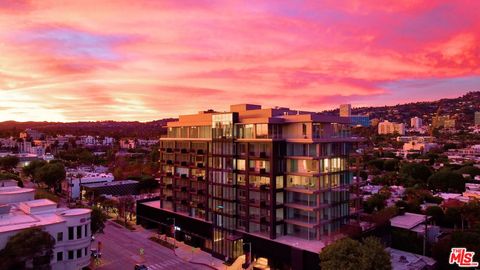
x=174, y=230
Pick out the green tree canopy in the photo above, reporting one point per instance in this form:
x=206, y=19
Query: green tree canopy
x=417, y=171
x=9, y=162
x=98, y=220
x=436, y=213
x=29, y=248
x=471, y=170
x=51, y=174
x=30, y=169
x=374, y=203
x=447, y=181
x=349, y=254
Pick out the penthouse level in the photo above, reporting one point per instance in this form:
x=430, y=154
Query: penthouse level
x=267, y=173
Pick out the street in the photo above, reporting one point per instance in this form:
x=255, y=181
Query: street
x=121, y=250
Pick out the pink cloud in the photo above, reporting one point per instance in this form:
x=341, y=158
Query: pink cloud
x=149, y=59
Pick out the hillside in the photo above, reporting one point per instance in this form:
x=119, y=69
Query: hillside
x=115, y=129
x=461, y=108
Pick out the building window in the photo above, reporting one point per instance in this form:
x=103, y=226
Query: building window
x=85, y=249
x=59, y=236
x=86, y=230
x=304, y=130
x=79, y=232
x=70, y=254
x=70, y=233
x=79, y=253
x=59, y=256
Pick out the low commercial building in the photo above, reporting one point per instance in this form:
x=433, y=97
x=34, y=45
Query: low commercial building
x=76, y=179
x=69, y=227
x=114, y=188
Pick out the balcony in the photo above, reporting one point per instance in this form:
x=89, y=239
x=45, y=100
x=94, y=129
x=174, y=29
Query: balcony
x=257, y=203
x=258, y=218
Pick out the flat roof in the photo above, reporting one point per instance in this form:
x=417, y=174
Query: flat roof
x=402, y=260
x=407, y=221
x=110, y=184
x=15, y=190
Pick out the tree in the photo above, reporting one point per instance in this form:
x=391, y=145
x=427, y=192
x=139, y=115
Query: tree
x=350, y=254
x=51, y=175
x=436, y=213
x=30, y=169
x=98, y=220
x=9, y=162
x=374, y=203
x=416, y=171
x=471, y=170
x=447, y=181
x=29, y=248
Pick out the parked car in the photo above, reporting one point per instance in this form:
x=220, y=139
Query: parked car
x=140, y=267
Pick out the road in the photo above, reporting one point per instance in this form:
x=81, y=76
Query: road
x=121, y=250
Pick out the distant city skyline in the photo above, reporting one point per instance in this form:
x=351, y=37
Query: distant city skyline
x=147, y=60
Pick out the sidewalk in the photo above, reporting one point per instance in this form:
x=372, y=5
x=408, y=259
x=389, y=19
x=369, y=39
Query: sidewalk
x=200, y=257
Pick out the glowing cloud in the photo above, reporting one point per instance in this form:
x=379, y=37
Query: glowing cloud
x=144, y=60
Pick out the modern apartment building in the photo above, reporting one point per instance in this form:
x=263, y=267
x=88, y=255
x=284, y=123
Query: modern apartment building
x=272, y=175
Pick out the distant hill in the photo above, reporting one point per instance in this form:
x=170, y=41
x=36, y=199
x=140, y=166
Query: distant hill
x=115, y=129
x=461, y=108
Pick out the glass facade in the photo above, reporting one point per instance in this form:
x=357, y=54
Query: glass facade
x=250, y=177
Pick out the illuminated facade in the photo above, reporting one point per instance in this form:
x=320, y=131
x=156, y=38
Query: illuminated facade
x=262, y=172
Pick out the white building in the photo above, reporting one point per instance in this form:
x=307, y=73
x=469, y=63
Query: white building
x=127, y=144
x=416, y=122
x=387, y=127
x=108, y=141
x=69, y=227
x=75, y=180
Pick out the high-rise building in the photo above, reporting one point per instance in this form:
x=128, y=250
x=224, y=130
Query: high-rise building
x=270, y=177
x=477, y=118
x=387, y=127
x=345, y=110
x=416, y=122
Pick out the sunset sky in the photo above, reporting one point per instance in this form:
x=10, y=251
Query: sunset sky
x=146, y=60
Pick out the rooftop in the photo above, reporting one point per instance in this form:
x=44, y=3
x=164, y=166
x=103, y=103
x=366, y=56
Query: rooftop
x=110, y=184
x=14, y=190
x=407, y=221
x=402, y=260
